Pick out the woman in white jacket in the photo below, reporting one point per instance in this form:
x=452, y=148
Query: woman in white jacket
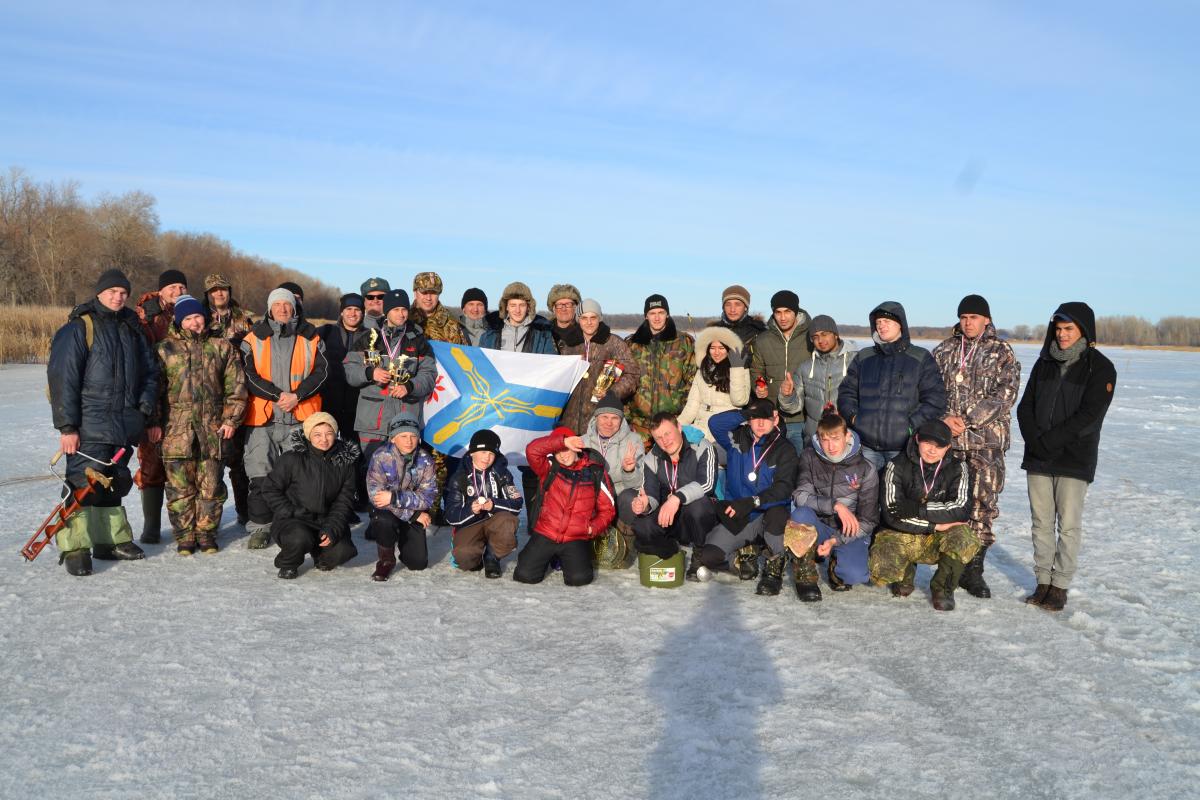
x=721, y=382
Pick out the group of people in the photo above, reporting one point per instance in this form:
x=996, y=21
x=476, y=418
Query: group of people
x=755, y=443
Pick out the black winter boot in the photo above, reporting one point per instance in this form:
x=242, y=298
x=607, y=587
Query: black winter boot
x=693, y=565
x=78, y=562
x=126, y=551
x=772, y=576
x=836, y=583
x=152, y=503
x=944, y=581
x=972, y=577
x=746, y=562
x=491, y=565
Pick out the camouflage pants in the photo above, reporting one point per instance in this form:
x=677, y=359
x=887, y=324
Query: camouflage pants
x=195, y=494
x=987, y=482
x=894, y=555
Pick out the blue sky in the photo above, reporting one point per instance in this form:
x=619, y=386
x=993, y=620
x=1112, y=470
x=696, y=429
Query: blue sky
x=1029, y=152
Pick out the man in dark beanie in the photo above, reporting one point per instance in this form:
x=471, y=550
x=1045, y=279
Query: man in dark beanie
x=735, y=315
x=666, y=363
x=814, y=386
x=777, y=352
x=981, y=375
x=103, y=381
x=156, y=311
x=338, y=397
x=475, y=318
x=1069, y=391
x=926, y=502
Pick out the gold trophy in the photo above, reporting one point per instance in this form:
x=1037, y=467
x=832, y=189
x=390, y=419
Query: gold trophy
x=401, y=368
x=373, y=356
x=609, y=375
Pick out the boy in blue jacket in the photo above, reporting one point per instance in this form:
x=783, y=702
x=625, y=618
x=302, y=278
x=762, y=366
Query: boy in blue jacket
x=482, y=505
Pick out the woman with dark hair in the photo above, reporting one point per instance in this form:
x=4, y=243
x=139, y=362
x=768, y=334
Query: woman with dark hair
x=721, y=382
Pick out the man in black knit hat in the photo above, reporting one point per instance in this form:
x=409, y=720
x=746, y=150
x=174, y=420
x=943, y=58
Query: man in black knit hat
x=982, y=376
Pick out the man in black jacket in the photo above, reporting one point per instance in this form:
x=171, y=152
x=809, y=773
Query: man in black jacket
x=676, y=502
x=103, y=388
x=926, y=507
x=1060, y=415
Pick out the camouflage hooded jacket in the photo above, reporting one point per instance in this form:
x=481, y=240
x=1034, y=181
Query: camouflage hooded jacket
x=667, y=363
x=202, y=387
x=440, y=325
x=986, y=395
x=233, y=323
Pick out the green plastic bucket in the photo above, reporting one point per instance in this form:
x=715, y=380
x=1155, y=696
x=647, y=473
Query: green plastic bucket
x=661, y=573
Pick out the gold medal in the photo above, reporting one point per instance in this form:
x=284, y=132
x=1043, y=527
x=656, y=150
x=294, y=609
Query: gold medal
x=959, y=378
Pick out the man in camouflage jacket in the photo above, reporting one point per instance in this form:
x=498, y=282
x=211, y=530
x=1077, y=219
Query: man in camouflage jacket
x=439, y=325
x=202, y=398
x=666, y=361
x=982, y=376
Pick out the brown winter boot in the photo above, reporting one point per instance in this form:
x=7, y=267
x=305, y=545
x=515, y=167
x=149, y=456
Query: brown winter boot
x=1039, y=594
x=1055, y=600
x=385, y=564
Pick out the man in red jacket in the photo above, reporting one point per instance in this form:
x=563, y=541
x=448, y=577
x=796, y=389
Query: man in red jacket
x=577, y=506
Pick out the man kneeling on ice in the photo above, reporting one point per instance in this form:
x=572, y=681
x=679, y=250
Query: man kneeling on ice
x=837, y=499
x=577, y=506
x=760, y=475
x=402, y=486
x=482, y=505
x=926, y=507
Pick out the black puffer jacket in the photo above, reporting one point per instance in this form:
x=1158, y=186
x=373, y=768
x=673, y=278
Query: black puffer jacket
x=891, y=388
x=1060, y=414
x=948, y=499
x=108, y=392
x=313, y=486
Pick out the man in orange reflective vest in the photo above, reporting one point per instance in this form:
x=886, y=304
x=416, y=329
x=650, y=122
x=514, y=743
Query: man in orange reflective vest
x=285, y=368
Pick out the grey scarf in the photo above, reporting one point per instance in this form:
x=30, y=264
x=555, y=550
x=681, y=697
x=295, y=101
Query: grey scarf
x=1066, y=358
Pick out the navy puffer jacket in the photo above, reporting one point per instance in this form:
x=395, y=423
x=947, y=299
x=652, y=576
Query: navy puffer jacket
x=891, y=388
x=105, y=393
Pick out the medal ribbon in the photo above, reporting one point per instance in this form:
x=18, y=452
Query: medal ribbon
x=963, y=355
x=759, y=460
x=932, y=480
x=391, y=351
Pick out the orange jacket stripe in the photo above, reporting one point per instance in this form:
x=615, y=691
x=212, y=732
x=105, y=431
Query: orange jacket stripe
x=260, y=411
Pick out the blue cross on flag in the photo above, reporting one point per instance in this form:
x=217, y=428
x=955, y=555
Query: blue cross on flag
x=518, y=395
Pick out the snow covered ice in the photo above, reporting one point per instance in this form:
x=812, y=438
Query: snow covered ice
x=209, y=677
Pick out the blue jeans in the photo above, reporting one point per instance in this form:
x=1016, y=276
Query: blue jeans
x=879, y=458
x=851, y=556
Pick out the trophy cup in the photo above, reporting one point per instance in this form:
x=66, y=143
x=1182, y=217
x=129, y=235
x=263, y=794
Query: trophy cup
x=608, y=376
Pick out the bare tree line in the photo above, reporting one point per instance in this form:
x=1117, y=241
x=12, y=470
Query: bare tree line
x=54, y=244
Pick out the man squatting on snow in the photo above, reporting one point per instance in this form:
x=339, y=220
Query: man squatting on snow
x=885, y=393
x=482, y=505
x=760, y=475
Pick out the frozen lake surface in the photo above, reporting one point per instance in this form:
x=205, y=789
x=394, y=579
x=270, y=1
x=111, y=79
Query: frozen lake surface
x=209, y=677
